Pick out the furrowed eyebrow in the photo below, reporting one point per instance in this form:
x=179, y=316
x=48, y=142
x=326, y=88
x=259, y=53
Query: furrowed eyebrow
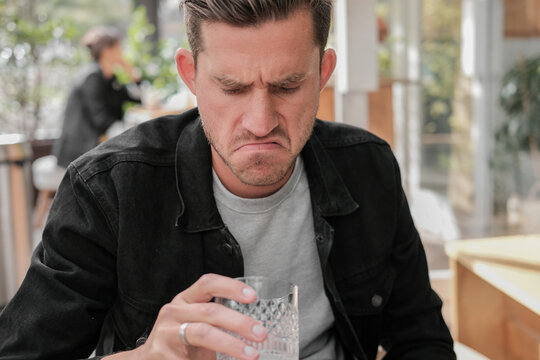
x=228, y=82
x=291, y=79
x=232, y=83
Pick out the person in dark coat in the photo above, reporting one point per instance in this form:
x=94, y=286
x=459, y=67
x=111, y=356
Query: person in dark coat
x=96, y=100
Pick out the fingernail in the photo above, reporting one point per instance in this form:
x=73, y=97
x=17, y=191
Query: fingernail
x=259, y=331
x=250, y=351
x=249, y=292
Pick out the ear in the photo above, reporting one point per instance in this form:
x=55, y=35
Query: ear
x=185, y=65
x=328, y=64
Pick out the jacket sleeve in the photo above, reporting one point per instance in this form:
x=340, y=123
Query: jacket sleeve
x=59, y=309
x=413, y=324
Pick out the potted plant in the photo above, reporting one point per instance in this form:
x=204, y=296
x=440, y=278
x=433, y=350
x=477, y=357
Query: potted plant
x=518, y=139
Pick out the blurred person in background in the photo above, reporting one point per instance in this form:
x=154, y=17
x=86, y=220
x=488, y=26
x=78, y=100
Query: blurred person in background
x=97, y=98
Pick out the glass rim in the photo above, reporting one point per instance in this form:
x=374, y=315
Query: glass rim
x=266, y=278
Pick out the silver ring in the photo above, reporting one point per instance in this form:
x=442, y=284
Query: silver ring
x=182, y=333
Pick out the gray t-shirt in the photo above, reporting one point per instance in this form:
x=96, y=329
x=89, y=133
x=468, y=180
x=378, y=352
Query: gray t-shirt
x=276, y=236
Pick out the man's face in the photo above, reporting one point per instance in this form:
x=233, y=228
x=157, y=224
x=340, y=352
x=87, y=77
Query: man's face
x=257, y=91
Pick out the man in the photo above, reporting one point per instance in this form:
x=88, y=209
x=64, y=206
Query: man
x=247, y=184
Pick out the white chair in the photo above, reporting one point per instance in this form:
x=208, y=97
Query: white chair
x=46, y=175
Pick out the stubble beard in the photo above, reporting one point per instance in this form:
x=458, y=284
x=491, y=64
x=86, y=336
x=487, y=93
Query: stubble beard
x=256, y=173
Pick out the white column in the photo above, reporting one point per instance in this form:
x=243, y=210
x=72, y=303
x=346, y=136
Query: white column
x=357, y=70
x=481, y=60
x=405, y=28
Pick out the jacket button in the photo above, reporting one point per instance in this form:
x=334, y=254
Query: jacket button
x=228, y=248
x=376, y=300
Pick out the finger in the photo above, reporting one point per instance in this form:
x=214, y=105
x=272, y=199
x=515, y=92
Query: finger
x=216, y=315
x=212, y=285
x=207, y=336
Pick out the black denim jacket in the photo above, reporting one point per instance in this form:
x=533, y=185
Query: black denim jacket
x=135, y=222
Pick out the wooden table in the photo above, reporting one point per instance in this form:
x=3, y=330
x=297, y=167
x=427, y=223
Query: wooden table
x=497, y=295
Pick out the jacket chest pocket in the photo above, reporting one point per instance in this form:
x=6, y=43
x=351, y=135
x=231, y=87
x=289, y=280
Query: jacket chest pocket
x=133, y=320
x=367, y=292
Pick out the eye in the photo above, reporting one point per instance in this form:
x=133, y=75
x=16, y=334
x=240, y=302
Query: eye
x=232, y=91
x=287, y=90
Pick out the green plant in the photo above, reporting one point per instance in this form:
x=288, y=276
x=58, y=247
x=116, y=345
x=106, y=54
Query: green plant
x=515, y=158
x=31, y=44
x=520, y=100
x=155, y=61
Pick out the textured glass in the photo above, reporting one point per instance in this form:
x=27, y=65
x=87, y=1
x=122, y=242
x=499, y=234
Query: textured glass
x=277, y=308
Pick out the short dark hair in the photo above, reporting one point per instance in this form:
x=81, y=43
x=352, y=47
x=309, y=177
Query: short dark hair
x=250, y=13
x=99, y=38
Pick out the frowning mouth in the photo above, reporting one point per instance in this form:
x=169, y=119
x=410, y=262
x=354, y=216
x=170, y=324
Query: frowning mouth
x=260, y=146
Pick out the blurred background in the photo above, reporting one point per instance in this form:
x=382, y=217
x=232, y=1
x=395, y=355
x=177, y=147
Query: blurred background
x=452, y=85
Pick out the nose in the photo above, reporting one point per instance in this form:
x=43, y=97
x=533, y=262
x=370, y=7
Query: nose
x=260, y=116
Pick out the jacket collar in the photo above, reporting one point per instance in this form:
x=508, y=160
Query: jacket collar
x=329, y=194
x=198, y=210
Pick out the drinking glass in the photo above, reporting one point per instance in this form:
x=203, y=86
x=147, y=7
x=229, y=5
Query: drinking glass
x=276, y=308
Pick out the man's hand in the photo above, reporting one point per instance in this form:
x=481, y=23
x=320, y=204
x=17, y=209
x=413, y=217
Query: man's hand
x=203, y=334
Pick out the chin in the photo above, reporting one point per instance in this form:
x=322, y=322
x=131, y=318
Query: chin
x=263, y=175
